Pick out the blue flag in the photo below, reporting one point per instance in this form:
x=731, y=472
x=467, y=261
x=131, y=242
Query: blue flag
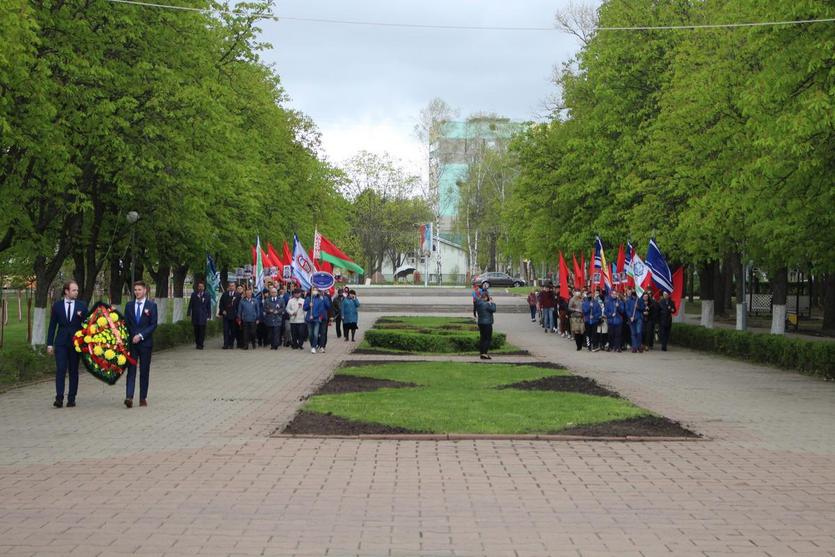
x=661, y=275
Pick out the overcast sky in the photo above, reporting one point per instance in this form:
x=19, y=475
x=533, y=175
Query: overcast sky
x=364, y=86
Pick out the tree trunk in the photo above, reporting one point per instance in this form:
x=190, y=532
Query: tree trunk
x=707, y=273
x=161, y=297
x=692, y=281
x=728, y=268
x=739, y=277
x=779, y=293
x=224, y=276
x=180, y=274
x=829, y=301
x=117, y=280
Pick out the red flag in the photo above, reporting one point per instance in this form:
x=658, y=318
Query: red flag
x=619, y=269
x=563, y=279
x=265, y=259
x=578, y=275
x=288, y=256
x=678, y=288
x=254, y=257
x=276, y=260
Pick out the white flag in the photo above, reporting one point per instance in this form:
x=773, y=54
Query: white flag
x=642, y=274
x=302, y=265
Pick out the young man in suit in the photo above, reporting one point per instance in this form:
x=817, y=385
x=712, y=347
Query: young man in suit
x=64, y=320
x=199, y=309
x=141, y=317
x=228, y=311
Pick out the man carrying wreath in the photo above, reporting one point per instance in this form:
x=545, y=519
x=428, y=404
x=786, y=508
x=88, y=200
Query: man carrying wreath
x=141, y=318
x=64, y=320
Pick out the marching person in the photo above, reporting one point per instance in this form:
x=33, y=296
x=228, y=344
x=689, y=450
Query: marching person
x=228, y=311
x=546, y=304
x=614, y=319
x=199, y=309
x=316, y=316
x=650, y=317
x=532, y=305
x=592, y=315
x=635, y=314
x=141, y=318
x=485, y=308
x=575, y=310
x=666, y=309
x=323, y=328
x=239, y=331
x=273, y=317
x=64, y=320
x=249, y=315
x=350, y=314
x=295, y=309
x=601, y=332
x=337, y=312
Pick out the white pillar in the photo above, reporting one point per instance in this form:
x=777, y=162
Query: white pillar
x=162, y=308
x=179, y=311
x=741, y=317
x=778, y=319
x=707, y=314
x=39, y=326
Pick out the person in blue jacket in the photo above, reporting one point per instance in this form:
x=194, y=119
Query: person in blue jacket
x=613, y=310
x=64, y=320
x=635, y=319
x=591, y=316
x=350, y=314
x=316, y=316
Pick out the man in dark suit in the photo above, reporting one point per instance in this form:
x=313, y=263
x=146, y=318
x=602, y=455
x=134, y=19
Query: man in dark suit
x=199, y=308
x=64, y=320
x=141, y=318
x=227, y=310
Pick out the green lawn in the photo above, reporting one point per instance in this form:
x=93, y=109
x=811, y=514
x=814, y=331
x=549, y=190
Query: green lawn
x=463, y=398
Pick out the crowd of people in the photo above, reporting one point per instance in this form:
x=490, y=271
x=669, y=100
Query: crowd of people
x=611, y=321
x=283, y=317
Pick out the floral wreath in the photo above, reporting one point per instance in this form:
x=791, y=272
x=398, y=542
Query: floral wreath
x=104, y=343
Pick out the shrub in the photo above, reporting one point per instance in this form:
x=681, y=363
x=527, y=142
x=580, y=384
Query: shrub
x=22, y=363
x=807, y=356
x=412, y=341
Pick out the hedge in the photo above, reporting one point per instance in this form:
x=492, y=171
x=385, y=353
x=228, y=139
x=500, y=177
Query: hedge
x=807, y=356
x=22, y=364
x=418, y=342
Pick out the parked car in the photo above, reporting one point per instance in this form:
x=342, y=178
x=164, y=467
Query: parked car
x=486, y=280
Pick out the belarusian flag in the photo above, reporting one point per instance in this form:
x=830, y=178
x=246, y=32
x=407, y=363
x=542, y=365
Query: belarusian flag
x=326, y=251
x=259, y=266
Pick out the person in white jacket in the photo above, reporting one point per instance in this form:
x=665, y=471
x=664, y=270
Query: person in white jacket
x=295, y=309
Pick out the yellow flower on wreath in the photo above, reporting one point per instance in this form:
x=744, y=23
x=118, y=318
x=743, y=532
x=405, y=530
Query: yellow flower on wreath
x=93, y=329
x=88, y=339
x=98, y=351
x=109, y=354
x=101, y=322
x=121, y=360
x=114, y=317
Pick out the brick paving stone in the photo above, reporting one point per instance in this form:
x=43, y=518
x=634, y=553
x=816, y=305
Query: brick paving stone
x=197, y=473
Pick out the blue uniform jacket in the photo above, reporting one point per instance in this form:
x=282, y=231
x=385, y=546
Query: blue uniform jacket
x=60, y=330
x=316, y=308
x=485, y=311
x=636, y=306
x=249, y=311
x=591, y=311
x=614, y=311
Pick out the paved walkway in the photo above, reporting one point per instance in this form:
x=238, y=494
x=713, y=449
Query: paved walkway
x=197, y=473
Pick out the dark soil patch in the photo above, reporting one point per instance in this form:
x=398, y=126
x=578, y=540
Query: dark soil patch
x=312, y=423
x=567, y=383
x=340, y=384
x=384, y=352
x=643, y=426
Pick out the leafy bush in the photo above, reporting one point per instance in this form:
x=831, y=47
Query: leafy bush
x=808, y=356
x=21, y=363
x=413, y=341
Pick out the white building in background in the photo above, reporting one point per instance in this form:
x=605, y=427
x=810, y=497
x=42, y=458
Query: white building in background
x=447, y=265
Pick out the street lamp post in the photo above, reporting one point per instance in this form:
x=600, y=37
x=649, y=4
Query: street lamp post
x=132, y=217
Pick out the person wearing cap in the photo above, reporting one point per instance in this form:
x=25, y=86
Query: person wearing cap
x=485, y=308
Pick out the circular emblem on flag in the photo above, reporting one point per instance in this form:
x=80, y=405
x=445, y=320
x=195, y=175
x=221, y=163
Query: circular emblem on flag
x=638, y=269
x=321, y=280
x=303, y=264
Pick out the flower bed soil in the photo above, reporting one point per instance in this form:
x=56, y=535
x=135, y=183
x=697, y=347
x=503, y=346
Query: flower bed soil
x=311, y=423
x=568, y=383
x=353, y=384
x=643, y=426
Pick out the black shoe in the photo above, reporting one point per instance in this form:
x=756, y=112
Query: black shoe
x=484, y=357
x=70, y=403
x=129, y=402
x=59, y=403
